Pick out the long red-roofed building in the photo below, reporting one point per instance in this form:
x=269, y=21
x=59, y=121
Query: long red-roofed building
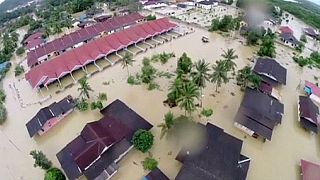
x=52, y=70
x=77, y=38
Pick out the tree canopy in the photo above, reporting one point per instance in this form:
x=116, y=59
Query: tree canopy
x=143, y=140
x=54, y=174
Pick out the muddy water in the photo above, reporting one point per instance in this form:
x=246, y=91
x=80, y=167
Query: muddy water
x=277, y=159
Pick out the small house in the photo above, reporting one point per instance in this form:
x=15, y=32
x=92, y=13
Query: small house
x=219, y=158
x=258, y=114
x=311, y=32
x=271, y=72
x=49, y=116
x=309, y=170
x=308, y=114
x=313, y=91
x=156, y=174
x=289, y=39
x=207, y=4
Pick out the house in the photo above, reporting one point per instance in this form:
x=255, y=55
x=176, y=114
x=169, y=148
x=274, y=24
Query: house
x=101, y=145
x=34, y=41
x=84, y=24
x=285, y=30
x=311, y=32
x=269, y=90
x=156, y=174
x=308, y=114
x=49, y=116
x=309, y=170
x=289, y=39
x=220, y=158
x=207, y=4
x=270, y=71
x=313, y=91
x=258, y=114
x=102, y=18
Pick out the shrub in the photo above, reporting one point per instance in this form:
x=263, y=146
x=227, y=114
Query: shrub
x=152, y=85
x=148, y=74
x=143, y=140
x=96, y=105
x=132, y=80
x=20, y=51
x=18, y=70
x=40, y=160
x=149, y=163
x=151, y=17
x=82, y=105
x=207, y=112
x=103, y=97
x=146, y=61
x=2, y=96
x=54, y=174
x=3, y=114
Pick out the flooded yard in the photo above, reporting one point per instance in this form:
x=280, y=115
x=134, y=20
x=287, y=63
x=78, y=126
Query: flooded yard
x=277, y=159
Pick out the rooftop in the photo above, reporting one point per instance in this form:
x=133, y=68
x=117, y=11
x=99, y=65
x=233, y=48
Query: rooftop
x=219, y=159
x=156, y=174
x=286, y=29
x=208, y=2
x=290, y=38
x=102, y=142
x=46, y=113
x=308, y=112
x=259, y=112
x=271, y=71
x=310, y=171
x=314, y=89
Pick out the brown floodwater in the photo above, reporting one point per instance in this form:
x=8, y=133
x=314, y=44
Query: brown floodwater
x=276, y=159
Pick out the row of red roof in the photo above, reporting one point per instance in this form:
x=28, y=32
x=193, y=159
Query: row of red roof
x=81, y=35
x=74, y=59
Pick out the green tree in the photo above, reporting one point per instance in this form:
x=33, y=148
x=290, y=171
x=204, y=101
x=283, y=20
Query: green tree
x=149, y=163
x=201, y=75
x=267, y=47
x=253, y=38
x=18, y=70
x=220, y=74
x=143, y=140
x=247, y=78
x=167, y=124
x=84, y=88
x=82, y=104
x=96, y=105
x=229, y=56
x=189, y=93
x=40, y=160
x=184, y=65
x=207, y=112
x=151, y=17
x=148, y=74
x=20, y=51
x=3, y=114
x=174, y=92
x=127, y=61
x=2, y=96
x=102, y=97
x=54, y=174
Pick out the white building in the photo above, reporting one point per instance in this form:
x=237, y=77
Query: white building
x=207, y=4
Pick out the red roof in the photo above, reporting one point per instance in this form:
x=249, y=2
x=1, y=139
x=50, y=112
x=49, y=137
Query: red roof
x=81, y=35
x=310, y=171
x=37, y=35
x=286, y=29
x=314, y=88
x=94, y=138
x=33, y=43
x=49, y=71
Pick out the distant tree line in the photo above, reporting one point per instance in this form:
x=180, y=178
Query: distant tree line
x=225, y=24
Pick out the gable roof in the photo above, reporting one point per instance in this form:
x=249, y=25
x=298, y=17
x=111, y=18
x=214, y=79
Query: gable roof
x=156, y=174
x=219, y=159
x=308, y=110
x=270, y=70
x=310, y=32
x=314, y=88
x=36, y=35
x=290, y=38
x=310, y=171
x=46, y=113
x=208, y=2
x=286, y=29
x=101, y=143
x=259, y=112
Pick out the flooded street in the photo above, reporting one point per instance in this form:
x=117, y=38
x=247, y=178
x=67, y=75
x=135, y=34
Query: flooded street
x=277, y=159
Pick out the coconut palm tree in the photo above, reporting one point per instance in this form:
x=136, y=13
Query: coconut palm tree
x=84, y=87
x=229, y=56
x=200, y=75
x=126, y=61
x=220, y=74
x=189, y=92
x=174, y=92
x=167, y=124
x=246, y=78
